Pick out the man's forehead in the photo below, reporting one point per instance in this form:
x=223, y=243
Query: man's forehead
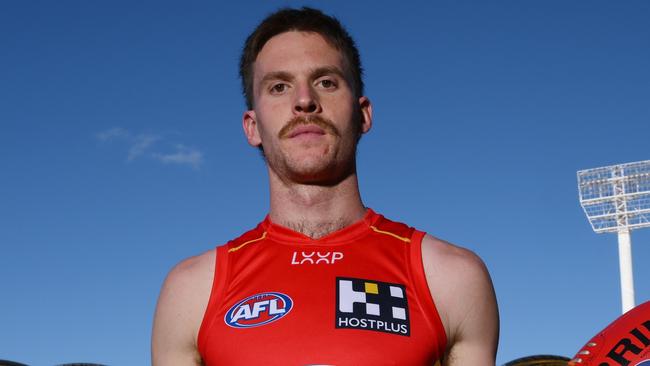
x=297, y=51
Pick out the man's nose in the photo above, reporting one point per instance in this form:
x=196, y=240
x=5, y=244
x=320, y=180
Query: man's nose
x=306, y=100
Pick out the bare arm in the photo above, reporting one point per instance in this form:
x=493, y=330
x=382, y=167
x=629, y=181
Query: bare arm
x=182, y=302
x=462, y=289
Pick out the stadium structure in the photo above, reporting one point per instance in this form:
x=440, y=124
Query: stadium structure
x=616, y=199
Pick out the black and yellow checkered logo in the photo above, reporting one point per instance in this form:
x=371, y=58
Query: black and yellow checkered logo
x=372, y=305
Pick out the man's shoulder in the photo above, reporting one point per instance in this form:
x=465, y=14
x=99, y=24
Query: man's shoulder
x=453, y=271
x=187, y=271
x=445, y=256
x=190, y=279
x=180, y=308
x=459, y=283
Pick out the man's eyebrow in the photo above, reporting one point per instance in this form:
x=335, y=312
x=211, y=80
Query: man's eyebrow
x=276, y=75
x=314, y=74
x=327, y=70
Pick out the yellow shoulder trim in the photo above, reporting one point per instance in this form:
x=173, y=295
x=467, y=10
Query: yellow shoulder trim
x=246, y=243
x=406, y=240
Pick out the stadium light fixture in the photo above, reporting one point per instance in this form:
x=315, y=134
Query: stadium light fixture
x=616, y=198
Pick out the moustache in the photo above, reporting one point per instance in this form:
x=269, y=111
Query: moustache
x=319, y=121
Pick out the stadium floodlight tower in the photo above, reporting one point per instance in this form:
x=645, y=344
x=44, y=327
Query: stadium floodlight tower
x=616, y=198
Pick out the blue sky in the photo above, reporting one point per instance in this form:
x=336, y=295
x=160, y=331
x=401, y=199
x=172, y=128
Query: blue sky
x=121, y=153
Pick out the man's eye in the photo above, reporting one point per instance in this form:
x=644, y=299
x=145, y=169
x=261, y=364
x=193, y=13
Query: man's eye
x=327, y=83
x=278, y=88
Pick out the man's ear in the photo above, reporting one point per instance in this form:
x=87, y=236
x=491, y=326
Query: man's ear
x=249, y=123
x=365, y=106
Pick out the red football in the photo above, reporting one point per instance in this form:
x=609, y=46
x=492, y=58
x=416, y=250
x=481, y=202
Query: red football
x=624, y=342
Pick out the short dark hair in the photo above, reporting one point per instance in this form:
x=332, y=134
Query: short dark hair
x=304, y=20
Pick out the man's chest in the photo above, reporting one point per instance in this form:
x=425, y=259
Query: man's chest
x=341, y=305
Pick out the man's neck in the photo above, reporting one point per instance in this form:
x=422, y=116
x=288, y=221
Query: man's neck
x=315, y=210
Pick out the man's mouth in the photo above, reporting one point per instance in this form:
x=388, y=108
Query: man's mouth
x=309, y=129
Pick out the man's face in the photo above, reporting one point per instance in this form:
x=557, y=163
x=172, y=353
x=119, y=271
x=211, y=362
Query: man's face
x=305, y=113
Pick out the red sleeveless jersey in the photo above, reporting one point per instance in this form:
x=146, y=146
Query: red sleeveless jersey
x=355, y=297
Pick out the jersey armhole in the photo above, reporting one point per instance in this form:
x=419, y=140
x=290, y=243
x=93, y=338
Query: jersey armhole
x=212, y=309
x=424, y=294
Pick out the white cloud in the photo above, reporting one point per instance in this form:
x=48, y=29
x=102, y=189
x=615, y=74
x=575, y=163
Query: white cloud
x=112, y=133
x=140, y=144
x=148, y=146
x=182, y=155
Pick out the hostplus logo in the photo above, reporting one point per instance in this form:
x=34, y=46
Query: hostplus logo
x=372, y=305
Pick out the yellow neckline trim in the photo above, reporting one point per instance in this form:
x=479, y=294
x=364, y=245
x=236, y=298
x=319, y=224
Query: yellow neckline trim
x=406, y=240
x=246, y=243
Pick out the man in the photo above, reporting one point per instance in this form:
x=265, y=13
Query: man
x=322, y=280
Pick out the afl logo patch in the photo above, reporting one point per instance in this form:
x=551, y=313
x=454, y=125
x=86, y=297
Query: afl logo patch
x=259, y=309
